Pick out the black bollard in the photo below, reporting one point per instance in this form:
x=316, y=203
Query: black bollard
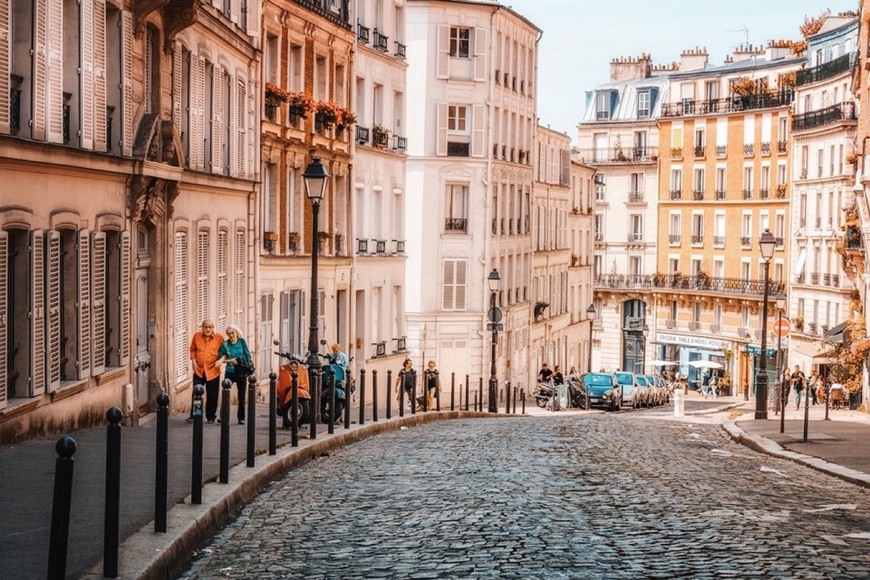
x=389, y=393
x=523, y=398
x=161, y=464
x=401, y=393
x=315, y=387
x=806, y=403
x=112, y=515
x=414, y=397
x=252, y=420
x=467, y=390
x=425, y=388
x=362, y=397
x=375, y=396
x=294, y=409
x=348, y=397
x=196, y=467
x=225, y=432
x=273, y=413
x=437, y=397
x=452, y=390
x=507, y=398
x=475, y=401
x=480, y=390
x=60, y=507
x=330, y=420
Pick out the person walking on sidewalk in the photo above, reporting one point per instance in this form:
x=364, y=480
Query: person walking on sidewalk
x=406, y=380
x=812, y=386
x=433, y=383
x=798, y=381
x=235, y=355
x=204, y=347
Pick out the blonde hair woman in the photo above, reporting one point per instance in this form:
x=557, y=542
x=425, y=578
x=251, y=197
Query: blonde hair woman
x=235, y=355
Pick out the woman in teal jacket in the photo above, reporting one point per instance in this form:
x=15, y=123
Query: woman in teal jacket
x=233, y=350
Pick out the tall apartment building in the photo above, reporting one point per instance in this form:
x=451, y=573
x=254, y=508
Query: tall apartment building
x=472, y=115
x=308, y=50
x=561, y=294
x=619, y=137
x=823, y=127
x=379, y=191
x=724, y=155
x=129, y=160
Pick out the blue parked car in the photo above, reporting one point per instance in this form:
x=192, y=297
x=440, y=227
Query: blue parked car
x=603, y=390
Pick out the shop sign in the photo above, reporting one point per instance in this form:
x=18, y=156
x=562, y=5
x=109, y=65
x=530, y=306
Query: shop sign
x=693, y=341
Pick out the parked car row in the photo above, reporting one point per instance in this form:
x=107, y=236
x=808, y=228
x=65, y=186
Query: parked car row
x=619, y=389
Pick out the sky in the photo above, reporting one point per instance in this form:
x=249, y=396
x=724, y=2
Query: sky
x=581, y=37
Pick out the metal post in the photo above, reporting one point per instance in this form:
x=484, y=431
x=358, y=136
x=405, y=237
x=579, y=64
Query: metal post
x=273, y=413
x=112, y=514
x=467, y=390
x=806, y=409
x=161, y=464
x=60, y=507
x=414, y=395
x=523, y=398
x=437, y=394
x=452, y=390
x=402, y=393
x=480, y=399
x=493, y=381
x=375, y=395
x=196, y=450
x=827, y=397
x=507, y=398
x=362, y=397
x=313, y=362
x=225, y=431
x=348, y=397
x=294, y=409
x=783, y=402
x=761, y=377
x=330, y=420
x=252, y=420
x=389, y=393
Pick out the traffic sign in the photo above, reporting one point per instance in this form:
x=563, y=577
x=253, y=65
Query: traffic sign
x=781, y=327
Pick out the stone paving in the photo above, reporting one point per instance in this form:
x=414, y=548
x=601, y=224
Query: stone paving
x=625, y=495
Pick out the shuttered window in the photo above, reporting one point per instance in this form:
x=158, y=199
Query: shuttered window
x=222, y=280
x=86, y=74
x=239, y=280
x=127, y=76
x=4, y=314
x=36, y=312
x=100, y=98
x=217, y=112
x=124, y=300
x=98, y=302
x=241, y=129
x=181, y=307
x=454, y=284
x=202, y=246
x=5, y=57
x=84, y=352
x=53, y=308
x=480, y=48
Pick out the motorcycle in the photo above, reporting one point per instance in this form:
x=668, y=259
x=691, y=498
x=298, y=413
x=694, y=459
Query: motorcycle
x=285, y=390
x=334, y=377
x=543, y=394
x=577, y=394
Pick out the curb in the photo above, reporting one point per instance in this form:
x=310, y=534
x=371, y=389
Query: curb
x=148, y=555
x=769, y=447
x=714, y=410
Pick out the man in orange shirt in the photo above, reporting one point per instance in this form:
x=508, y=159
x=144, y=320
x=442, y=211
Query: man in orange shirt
x=204, y=354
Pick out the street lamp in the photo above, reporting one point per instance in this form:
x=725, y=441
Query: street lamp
x=590, y=312
x=780, y=306
x=767, y=243
x=494, y=316
x=645, y=333
x=315, y=177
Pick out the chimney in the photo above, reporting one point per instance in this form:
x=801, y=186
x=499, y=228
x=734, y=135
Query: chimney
x=693, y=59
x=630, y=68
x=745, y=52
x=777, y=49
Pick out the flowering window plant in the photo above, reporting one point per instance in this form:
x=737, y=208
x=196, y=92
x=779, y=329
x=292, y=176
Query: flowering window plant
x=300, y=104
x=328, y=112
x=275, y=95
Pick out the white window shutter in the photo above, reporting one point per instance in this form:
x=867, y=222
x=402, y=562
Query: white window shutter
x=239, y=280
x=241, y=97
x=5, y=55
x=442, y=66
x=236, y=13
x=4, y=315
x=461, y=275
x=447, y=296
x=202, y=278
x=100, y=75
x=37, y=314
x=127, y=76
x=481, y=46
x=177, y=84
x=52, y=285
x=86, y=74
x=54, y=74
x=197, y=124
x=478, y=131
x=83, y=305
x=222, y=248
x=125, y=285
x=40, y=38
x=98, y=302
x=217, y=124
x=181, y=307
x=253, y=18
x=441, y=130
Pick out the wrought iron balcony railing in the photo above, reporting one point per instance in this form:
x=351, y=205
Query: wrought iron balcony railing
x=456, y=225
x=674, y=239
x=635, y=196
x=735, y=104
x=697, y=239
x=698, y=195
x=720, y=194
x=362, y=33
x=678, y=282
x=718, y=240
x=619, y=154
x=676, y=194
x=825, y=70
x=822, y=117
x=721, y=151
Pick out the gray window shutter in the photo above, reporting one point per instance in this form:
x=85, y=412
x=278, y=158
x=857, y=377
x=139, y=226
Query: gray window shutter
x=37, y=314
x=83, y=304
x=98, y=302
x=52, y=285
x=126, y=314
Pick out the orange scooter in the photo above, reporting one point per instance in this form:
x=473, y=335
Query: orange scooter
x=285, y=390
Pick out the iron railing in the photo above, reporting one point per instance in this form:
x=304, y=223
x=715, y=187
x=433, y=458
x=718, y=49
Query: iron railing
x=456, y=225
x=688, y=283
x=822, y=117
x=825, y=70
x=735, y=104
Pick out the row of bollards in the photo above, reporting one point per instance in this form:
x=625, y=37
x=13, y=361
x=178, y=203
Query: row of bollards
x=66, y=448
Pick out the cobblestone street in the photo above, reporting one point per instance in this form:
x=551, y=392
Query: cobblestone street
x=626, y=495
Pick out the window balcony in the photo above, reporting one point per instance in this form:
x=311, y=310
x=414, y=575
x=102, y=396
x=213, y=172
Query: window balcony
x=825, y=70
x=826, y=279
x=764, y=193
x=676, y=194
x=781, y=146
x=700, y=151
x=835, y=280
x=827, y=116
x=401, y=50
x=400, y=143
x=814, y=278
x=456, y=225
x=674, y=239
x=380, y=42
x=734, y=104
x=765, y=148
x=747, y=194
x=720, y=194
x=719, y=241
x=799, y=279
x=362, y=135
x=697, y=239
x=676, y=152
x=635, y=197
x=362, y=34
x=635, y=237
x=721, y=151
x=746, y=241
x=748, y=149
x=698, y=195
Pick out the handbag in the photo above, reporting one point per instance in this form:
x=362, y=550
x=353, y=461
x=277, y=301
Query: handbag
x=244, y=365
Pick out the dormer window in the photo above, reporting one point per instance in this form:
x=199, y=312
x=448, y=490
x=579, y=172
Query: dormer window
x=643, y=104
x=602, y=105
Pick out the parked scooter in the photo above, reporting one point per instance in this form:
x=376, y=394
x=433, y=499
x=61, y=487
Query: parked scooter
x=334, y=376
x=285, y=390
x=577, y=394
x=543, y=394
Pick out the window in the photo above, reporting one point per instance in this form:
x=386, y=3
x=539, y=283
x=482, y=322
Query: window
x=698, y=228
x=643, y=104
x=720, y=182
x=765, y=178
x=675, y=226
x=456, y=218
x=456, y=118
x=202, y=275
x=182, y=356
x=676, y=179
x=699, y=180
x=599, y=227
x=636, y=228
x=453, y=284
x=602, y=105
x=459, y=42
x=222, y=248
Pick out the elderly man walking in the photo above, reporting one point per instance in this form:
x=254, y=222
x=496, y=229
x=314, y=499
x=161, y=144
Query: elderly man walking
x=204, y=349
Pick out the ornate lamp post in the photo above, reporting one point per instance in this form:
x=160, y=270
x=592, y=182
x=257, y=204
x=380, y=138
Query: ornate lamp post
x=767, y=243
x=590, y=313
x=315, y=178
x=494, y=316
x=780, y=307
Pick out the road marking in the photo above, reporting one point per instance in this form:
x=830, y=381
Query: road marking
x=828, y=507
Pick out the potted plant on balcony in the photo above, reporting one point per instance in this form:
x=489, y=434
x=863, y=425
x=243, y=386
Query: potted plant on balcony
x=273, y=98
x=540, y=306
x=703, y=279
x=852, y=158
x=323, y=238
x=380, y=136
x=798, y=322
x=299, y=104
x=326, y=114
x=780, y=190
x=293, y=240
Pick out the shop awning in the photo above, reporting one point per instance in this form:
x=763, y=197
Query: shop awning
x=838, y=334
x=816, y=353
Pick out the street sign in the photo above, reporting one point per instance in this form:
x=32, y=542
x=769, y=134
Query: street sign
x=494, y=314
x=781, y=327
